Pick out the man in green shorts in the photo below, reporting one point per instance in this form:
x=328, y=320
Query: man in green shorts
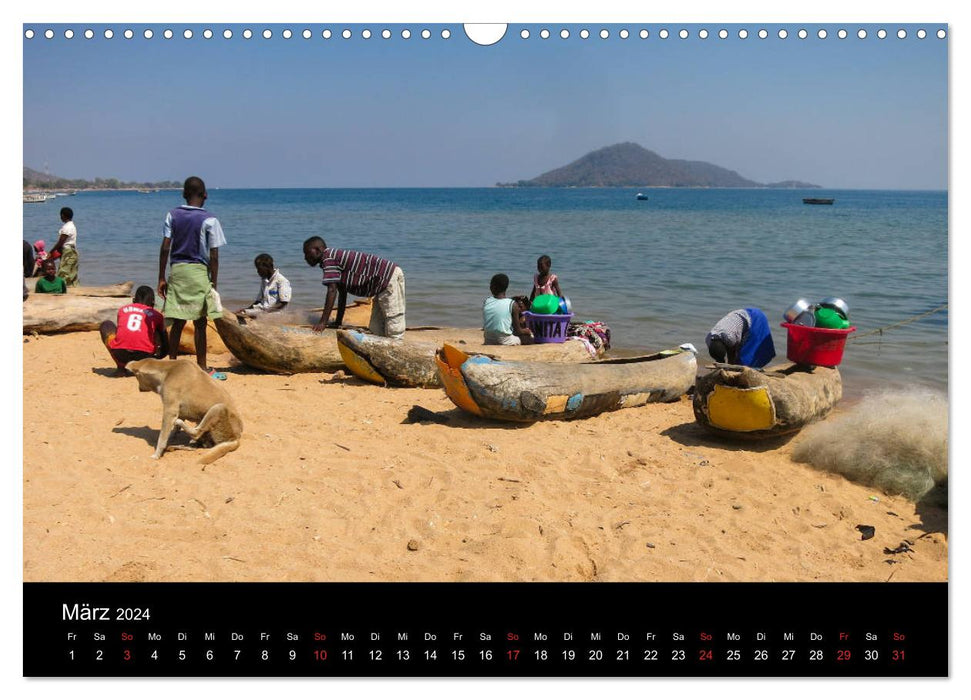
x=192, y=238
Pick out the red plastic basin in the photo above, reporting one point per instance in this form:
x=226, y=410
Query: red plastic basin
x=816, y=346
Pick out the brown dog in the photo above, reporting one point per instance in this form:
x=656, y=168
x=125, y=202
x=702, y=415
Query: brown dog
x=189, y=393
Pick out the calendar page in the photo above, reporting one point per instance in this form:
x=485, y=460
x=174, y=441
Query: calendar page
x=528, y=349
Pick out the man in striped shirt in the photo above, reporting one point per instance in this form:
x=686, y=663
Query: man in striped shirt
x=363, y=275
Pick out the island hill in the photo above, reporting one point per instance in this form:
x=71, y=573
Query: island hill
x=632, y=165
x=38, y=181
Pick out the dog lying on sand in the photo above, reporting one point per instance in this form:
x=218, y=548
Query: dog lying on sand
x=188, y=393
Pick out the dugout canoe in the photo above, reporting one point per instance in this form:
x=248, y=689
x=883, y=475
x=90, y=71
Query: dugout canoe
x=281, y=349
x=532, y=391
x=292, y=349
x=120, y=289
x=749, y=404
x=275, y=344
x=187, y=341
x=410, y=362
x=65, y=313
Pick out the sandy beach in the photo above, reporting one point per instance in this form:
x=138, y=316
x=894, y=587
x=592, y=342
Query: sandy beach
x=330, y=485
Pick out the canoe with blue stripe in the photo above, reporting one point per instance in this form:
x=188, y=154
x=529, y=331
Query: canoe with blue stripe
x=534, y=391
x=750, y=404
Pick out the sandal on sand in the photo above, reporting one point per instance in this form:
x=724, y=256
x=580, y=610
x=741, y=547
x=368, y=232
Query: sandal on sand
x=215, y=374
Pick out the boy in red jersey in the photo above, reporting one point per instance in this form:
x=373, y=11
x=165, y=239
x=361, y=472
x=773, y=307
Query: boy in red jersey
x=139, y=333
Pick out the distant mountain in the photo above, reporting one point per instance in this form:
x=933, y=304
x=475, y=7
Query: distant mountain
x=34, y=179
x=632, y=165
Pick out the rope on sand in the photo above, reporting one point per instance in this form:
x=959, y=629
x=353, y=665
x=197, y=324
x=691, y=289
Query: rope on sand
x=881, y=330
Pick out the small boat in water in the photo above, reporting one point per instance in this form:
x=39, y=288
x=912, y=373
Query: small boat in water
x=750, y=404
x=526, y=392
x=34, y=198
x=641, y=197
x=817, y=200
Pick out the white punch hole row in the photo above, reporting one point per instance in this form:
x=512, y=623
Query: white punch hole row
x=488, y=34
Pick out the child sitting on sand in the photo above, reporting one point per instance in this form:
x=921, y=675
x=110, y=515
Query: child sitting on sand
x=50, y=283
x=274, y=289
x=545, y=282
x=502, y=320
x=139, y=333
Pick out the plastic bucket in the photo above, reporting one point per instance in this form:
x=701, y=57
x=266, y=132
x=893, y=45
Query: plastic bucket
x=548, y=328
x=816, y=346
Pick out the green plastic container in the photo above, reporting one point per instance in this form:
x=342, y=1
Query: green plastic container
x=546, y=304
x=829, y=318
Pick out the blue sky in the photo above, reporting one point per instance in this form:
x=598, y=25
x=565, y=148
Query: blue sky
x=851, y=113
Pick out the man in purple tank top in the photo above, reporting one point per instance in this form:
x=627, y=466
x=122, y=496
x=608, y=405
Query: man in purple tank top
x=192, y=238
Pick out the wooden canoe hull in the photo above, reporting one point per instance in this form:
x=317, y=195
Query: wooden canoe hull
x=286, y=348
x=747, y=404
x=279, y=349
x=65, y=313
x=410, y=361
x=532, y=391
x=81, y=309
x=187, y=341
x=119, y=289
x=290, y=349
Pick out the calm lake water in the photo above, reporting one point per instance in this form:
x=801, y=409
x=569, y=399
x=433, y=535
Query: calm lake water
x=659, y=272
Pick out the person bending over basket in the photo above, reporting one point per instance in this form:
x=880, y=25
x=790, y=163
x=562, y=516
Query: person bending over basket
x=742, y=337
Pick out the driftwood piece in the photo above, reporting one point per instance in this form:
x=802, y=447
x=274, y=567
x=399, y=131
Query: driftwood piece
x=799, y=395
x=410, y=361
x=533, y=391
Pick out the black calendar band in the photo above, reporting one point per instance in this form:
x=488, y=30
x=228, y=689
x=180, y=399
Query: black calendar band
x=476, y=629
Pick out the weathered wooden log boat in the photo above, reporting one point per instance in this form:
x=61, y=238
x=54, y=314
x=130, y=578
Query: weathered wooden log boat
x=281, y=349
x=187, y=341
x=411, y=360
x=271, y=344
x=746, y=403
x=81, y=309
x=64, y=313
x=120, y=289
x=534, y=391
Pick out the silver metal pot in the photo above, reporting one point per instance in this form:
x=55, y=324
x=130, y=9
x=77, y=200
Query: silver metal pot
x=794, y=311
x=806, y=318
x=838, y=305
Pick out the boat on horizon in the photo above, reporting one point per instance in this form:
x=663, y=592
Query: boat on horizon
x=641, y=197
x=817, y=200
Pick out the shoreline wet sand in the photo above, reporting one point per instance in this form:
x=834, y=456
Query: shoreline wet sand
x=329, y=485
